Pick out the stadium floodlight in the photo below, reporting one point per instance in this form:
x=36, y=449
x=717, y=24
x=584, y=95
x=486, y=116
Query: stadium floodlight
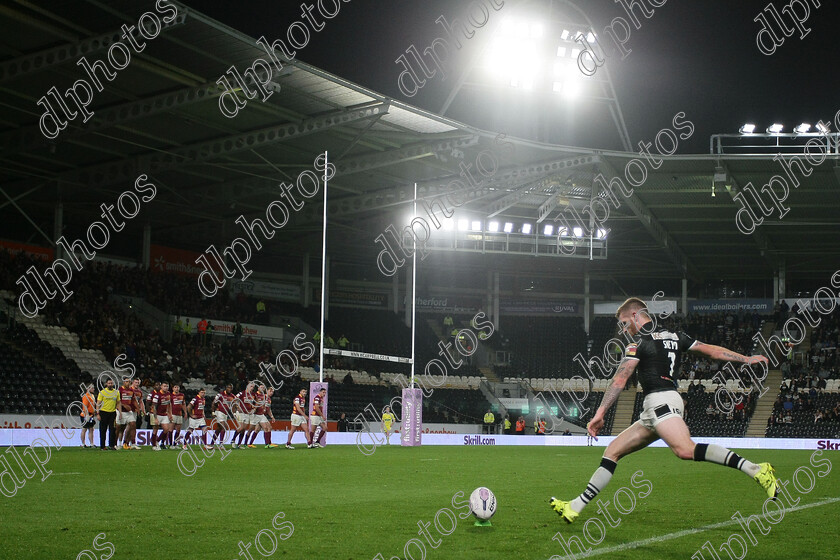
x=476, y=225
x=526, y=229
x=775, y=128
x=802, y=128
x=601, y=233
x=562, y=232
x=823, y=128
x=558, y=87
x=561, y=51
x=564, y=35
x=493, y=227
x=565, y=69
x=548, y=229
x=463, y=224
x=578, y=232
x=590, y=37
x=508, y=227
x=536, y=30
x=448, y=224
x=747, y=129
x=572, y=89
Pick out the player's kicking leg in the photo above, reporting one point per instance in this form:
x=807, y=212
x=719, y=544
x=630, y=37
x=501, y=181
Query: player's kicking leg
x=675, y=433
x=632, y=439
x=673, y=430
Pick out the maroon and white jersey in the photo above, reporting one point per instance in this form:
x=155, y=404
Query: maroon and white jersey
x=300, y=401
x=138, y=398
x=197, y=407
x=224, y=401
x=149, y=399
x=126, y=399
x=246, y=401
x=178, y=404
x=161, y=402
x=317, y=401
x=263, y=404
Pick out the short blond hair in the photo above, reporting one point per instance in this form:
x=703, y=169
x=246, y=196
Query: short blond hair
x=630, y=304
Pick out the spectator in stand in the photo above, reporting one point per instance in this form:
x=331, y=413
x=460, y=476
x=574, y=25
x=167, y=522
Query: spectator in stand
x=507, y=424
x=739, y=409
x=329, y=342
x=178, y=328
x=520, y=426
x=787, y=405
x=201, y=329
x=187, y=337
x=343, y=342
x=261, y=314
x=342, y=422
x=210, y=331
x=237, y=333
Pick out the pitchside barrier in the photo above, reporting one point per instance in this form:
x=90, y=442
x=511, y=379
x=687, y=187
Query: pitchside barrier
x=70, y=438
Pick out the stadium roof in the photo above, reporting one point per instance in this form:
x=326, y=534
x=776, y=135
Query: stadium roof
x=160, y=116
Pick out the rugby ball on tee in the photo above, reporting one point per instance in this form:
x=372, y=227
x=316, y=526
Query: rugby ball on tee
x=483, y=503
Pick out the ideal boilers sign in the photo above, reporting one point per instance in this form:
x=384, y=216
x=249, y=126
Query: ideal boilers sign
x=761, y=306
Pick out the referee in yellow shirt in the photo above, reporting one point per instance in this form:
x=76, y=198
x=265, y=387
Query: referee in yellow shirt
x=106, y=413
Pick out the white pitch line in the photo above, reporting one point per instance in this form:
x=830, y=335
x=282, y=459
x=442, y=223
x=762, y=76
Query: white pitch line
x=678, y=534
x=65, y=473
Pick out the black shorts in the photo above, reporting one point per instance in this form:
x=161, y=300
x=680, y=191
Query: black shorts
x=89, y=423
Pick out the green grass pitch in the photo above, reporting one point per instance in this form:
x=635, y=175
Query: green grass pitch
x=345, y=505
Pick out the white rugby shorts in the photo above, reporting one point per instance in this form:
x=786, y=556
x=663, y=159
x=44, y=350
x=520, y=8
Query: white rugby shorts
x=660, y=406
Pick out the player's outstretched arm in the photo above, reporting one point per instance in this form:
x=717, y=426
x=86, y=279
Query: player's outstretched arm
x=725, y=354
x=619, y=381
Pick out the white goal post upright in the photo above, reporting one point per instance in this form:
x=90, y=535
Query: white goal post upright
x=412, y=407
x=412, y=398
x=319, y=434
x=323, y=273
x=413, y=288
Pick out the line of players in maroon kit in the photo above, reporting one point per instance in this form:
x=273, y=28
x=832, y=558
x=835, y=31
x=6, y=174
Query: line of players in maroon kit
x=251, y=410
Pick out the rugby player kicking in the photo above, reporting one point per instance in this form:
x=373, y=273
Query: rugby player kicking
x=657, y=357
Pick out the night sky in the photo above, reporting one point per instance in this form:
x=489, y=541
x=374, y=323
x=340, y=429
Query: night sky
x=698, y=57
